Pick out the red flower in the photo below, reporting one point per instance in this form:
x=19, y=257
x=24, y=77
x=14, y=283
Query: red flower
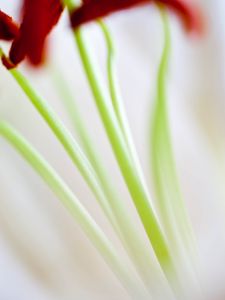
x=40, y=16
x=93, y=9
x=8, y=29
x=38, y=19
x=189, y=13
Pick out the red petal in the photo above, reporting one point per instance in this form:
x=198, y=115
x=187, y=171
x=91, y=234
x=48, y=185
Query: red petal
x=93, y=9
x=189, y=13
x=8, y=29
x=39, y=17
x=7, y=63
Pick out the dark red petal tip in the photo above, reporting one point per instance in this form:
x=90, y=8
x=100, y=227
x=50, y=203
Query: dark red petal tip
x=7, y=63
x=39, y=17
x=8, y=28
x=92, y=9
x=189, y=13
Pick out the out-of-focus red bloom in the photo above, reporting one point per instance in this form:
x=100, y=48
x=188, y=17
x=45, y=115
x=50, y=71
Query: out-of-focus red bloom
x=189, y=13
x=39, y=17
x=29, y=40
x=93, y=9
x=8, y=28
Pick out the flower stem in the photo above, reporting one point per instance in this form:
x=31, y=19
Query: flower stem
x=171, y=205
x=132, y=241
x=131, y=172
x=79, y=213
x=112, y=80
x=68, y=142
x=116, y=97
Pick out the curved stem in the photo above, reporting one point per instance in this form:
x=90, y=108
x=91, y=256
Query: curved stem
x=132, y=241
x=68, y=142
x=171, y=205
x=112, y=80
x=79, y=213
x=115, y=92
x=131, y=172
x=117, y=100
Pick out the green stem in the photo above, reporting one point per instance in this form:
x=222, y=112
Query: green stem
x=79, y=126
x=79, y=213
x=131, y=173
x=114, y=209
x=115, y=92
x=171, y=205
x=112, y=79
x=133, y=243
x=68, y=142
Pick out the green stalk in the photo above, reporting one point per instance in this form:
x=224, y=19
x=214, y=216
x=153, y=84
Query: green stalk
x=115, y=92
x=159, y=134
x=171, y=205
x=133, y=243
x=130, y=171
x=112, y=80
x=114, y=209
x=68, y=142
x=79, y=213
x=79, y=126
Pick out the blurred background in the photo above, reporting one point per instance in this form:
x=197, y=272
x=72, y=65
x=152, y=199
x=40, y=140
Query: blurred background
x=43, y=253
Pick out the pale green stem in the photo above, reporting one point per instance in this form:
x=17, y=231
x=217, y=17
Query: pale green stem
x=133, y=243
x=171, y=204
x=78, y=122
x=158, y=134
x=112, y=80
x=115, y=93
x=79, y=213
x=131, y=173
x=68, y=142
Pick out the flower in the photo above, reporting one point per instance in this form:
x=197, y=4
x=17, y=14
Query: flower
x=8, y=28
x=93, y=9
x=39, y=17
